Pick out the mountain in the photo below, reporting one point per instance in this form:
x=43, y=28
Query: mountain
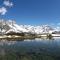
x=8, y=26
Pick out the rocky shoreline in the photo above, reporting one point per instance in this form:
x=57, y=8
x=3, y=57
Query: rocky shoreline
x=47, y=36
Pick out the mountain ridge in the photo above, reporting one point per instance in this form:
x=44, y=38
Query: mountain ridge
x=7, y=26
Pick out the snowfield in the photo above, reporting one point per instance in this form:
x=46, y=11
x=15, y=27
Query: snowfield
x=11, y=26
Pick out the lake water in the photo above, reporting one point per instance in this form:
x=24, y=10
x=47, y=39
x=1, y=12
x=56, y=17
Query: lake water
x=37, y=49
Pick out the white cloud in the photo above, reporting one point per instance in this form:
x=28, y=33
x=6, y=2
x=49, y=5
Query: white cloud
x=3, y=10
x=8, y=3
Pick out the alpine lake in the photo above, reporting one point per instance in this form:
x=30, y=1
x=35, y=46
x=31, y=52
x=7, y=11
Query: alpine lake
x=30, y=49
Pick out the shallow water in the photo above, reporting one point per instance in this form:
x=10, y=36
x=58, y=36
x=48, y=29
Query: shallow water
x=38, y=49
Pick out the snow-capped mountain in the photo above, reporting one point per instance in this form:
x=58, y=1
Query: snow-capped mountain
x=11, y=26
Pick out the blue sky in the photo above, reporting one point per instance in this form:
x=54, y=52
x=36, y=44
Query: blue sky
x=34, y=12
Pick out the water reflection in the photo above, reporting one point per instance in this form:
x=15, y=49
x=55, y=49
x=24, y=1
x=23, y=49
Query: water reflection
x=37, y=49
x=4, y=42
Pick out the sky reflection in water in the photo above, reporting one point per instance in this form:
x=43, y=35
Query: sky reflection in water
x=30, y=49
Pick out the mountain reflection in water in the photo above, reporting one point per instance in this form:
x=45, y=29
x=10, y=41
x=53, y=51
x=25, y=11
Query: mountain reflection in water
x=37, y=49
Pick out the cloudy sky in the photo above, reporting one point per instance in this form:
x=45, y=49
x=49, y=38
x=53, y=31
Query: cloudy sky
x=34, y=12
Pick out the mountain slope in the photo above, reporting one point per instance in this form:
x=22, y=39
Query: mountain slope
x=11, y=26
